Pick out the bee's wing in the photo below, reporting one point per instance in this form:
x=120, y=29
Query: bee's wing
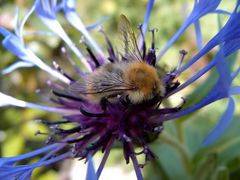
x=130, y=47
x=104, y=83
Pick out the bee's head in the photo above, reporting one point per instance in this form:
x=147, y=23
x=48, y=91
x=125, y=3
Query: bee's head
x=145, y=81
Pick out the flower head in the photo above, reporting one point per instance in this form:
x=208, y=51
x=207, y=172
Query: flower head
x=120, y=98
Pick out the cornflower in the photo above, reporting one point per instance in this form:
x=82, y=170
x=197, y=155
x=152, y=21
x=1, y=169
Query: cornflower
x=97, y=126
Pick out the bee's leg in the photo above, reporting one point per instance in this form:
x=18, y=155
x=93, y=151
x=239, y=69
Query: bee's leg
x=124, y=100
x=104, y=102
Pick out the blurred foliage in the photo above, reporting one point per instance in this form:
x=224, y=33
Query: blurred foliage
x=179, y=149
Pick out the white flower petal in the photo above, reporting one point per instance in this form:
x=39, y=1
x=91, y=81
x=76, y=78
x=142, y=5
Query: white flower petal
x=7, y=100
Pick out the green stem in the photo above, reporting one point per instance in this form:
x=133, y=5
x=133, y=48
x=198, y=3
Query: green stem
x=168, y=139
x=179, y=130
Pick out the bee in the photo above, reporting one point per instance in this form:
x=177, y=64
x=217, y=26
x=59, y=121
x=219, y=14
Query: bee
x=133, y=79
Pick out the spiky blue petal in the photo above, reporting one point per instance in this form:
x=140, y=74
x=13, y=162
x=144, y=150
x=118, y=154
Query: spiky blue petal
x=229, y=32
x=15, y=66
x=198, y=34
x=76, y=22
x=7, y=100
x=91, y=174
x=201, y=8
x=223, y=123
x=14, y=45
x=47, y=13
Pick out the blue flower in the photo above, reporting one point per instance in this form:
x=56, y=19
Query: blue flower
x=96, y=126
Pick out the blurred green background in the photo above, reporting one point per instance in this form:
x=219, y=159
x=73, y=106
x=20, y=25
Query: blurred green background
x=179, y=150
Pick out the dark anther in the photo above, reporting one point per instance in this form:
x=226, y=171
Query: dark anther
x=101, y=142
x=57, y=67
x=151, y=57
x=66, y=96
x=111, y=52
x=49, y=140
x=110, y=59
x=142, y=165
x=168, y=110
x=183, y=102
x=126, y=138
x=68, y=131
x=153, y=37
x=90, y=114
x=97, y=64
x=75, y=140
x=172, y=110
x=183, y=54
x=149, y=155
x=143, y=40
x=53, y=122
x=172, y=86
x=158, y=129
x=139, y=153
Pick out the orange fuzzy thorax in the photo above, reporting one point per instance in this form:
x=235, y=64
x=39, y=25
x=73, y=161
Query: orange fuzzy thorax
x=144, y=78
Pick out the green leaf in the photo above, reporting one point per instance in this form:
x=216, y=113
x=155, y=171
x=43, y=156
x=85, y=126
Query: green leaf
x=13, y=146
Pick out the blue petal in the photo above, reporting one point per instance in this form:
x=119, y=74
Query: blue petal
x=10, y=171
x=235, y=73
x=147, y=15
x=20, y=34
x=16, y=65
x=201, y=8
x=91, y=174
x=48, y=17
x=44, y=9
x=212, y=97
x=227, y=49
x=223, y=123
x=219, y=91
x=224, y=81
x=220, y=11
x=146, y=20
x=231, y=47
x=76, y=22
x=4, y=31
x=96, y=24
x=198, y=34
x=7, y=169
x=13, y=44
x=234, y=90
x=12, y=160
x=229, y=32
